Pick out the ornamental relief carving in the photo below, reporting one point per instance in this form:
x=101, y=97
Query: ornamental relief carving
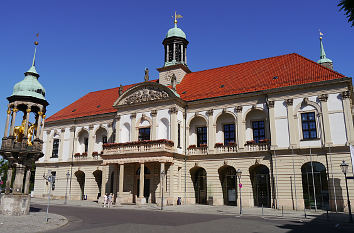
x=145, y=95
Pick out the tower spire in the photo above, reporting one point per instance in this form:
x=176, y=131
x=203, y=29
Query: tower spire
x=35, y=50
x=32, y=69
x=326, y=62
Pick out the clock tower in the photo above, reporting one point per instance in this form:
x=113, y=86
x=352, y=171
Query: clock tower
x=175, y=45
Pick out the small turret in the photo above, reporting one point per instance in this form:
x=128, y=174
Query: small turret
x=324, y=61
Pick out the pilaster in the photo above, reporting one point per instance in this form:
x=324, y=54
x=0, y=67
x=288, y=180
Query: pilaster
x=240, y=128
x=348, y=116
x=173, y=125
x=154, y=125
x=91, y=141
x=327, y=130
x=292, y=117
x=61, y=145
x=272, y=129
x=211, y=131
x=117, y=129
x=133, y=133
x=72, y=141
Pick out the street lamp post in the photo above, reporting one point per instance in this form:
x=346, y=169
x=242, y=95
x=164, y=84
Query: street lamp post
x=66, y=189
x=239, y=173
x=162, y=181
x=344, y=168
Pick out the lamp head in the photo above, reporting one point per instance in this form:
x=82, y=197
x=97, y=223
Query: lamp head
x=344, y=167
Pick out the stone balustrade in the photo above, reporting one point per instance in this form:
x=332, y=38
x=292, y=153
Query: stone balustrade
x=138, y=147
x=261, y=146
x=225, y=149
x=198, y=150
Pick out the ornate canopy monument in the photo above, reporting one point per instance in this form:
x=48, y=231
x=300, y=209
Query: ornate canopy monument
x=22, y=144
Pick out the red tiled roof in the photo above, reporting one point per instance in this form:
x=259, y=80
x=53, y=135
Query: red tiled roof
x=291, y=69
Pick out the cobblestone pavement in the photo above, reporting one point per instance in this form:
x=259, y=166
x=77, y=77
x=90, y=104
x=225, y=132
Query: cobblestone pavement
x=221, y=210
x=34, y=222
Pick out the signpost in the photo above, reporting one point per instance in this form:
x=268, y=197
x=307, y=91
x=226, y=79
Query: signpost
x=51, y=179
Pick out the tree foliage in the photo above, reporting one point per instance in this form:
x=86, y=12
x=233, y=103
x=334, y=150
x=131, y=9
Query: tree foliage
x=3, y=173
x=348, y=7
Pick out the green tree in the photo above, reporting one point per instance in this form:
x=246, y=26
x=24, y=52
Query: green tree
x=348, y=7
x=3, y=173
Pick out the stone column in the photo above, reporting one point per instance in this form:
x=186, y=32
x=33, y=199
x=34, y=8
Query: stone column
x=133, y=133
x=211, y=131
x=162, y=179
x=167, y=51
x=18, y=183
x=185, y=55
x=27, y=181
x=121, y=179
x=182, y=60
x=91, y=142
x=240, y=128
x=154, y=125
x=14, y=111
x=141, y=199
x=7, y=122
x=174, y=52
x=348, y=116
x=291, y=121
x=117, y=129
x=39, y=122
x=8, y=180
x=28, y=111
x=173, y=125
x=105, y=171
x=326, y=127
x=115, y=183
x=272, y=129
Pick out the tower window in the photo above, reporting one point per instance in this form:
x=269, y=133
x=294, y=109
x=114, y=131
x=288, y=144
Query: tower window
x=178, y=52
x=170, y=52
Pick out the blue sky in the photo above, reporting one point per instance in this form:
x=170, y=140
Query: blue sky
x=93, y=45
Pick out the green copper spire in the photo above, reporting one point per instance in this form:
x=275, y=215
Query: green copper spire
x=323, y=58
x=30, y=86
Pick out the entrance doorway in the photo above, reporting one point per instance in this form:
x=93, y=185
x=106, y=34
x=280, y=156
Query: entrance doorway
x=199, y=179
x=315, y=186
x=80, y=176
x=228, y=179
x=260, y=185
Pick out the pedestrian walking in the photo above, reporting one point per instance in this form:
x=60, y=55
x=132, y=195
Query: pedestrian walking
x=110, y=200
x=105, y=200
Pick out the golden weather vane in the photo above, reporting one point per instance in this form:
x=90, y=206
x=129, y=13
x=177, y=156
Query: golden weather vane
x=321, y=34
x=177, y=16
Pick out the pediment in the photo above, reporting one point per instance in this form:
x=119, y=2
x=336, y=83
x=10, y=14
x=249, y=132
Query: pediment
x=145, y=92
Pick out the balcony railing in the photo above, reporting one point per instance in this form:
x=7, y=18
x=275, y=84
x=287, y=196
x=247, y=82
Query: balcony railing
x=225, y=149
x=203, y=150
x=138, y=147
x=260, y=146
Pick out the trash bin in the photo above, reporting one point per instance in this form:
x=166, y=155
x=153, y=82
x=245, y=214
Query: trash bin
x=85, y=197
x=179, y=201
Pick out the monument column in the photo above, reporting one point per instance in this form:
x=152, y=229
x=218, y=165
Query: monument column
x=39, y=124
x=14, y=111
x=28, y=111
x=8, y=180
x=7, y=122
x=27, y=181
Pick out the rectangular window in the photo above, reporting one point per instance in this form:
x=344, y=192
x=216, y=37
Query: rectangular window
x=144, y=134
x=86, y=144
x=104, y=139
x=179, y=136
x=308, y=125
x=201, y=136
x=229, y=134
x=258, y=130
x=55, y=148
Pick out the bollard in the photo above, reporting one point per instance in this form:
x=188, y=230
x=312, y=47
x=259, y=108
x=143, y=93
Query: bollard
x=327, y=215
x=282, y=211
x=305, y=212
x=262, y=209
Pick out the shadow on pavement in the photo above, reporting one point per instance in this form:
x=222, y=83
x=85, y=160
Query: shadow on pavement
x=35, y=209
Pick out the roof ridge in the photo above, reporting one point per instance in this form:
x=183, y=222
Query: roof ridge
x=336, y=72
x=221, y=67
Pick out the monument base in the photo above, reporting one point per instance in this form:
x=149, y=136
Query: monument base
x=15, y=204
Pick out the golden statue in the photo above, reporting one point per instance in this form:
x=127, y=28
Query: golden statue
x=20, y=130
